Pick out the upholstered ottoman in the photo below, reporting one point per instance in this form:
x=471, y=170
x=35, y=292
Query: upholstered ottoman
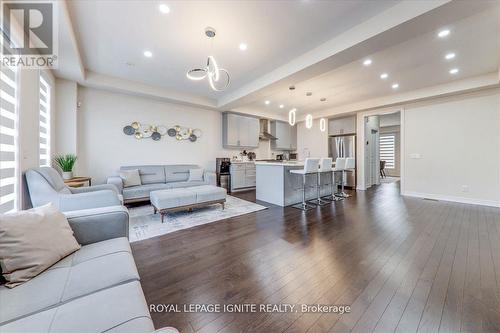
x=175, y=199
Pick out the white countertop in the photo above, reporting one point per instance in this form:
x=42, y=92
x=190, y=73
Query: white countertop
x=281, y=163
x=242, y=162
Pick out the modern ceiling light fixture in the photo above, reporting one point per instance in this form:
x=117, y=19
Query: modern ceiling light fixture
x=443, y=33
x=243, y=46
x=322, y=124
x=454, y=71
x=395, y=85
x=309, y=121
x=218, y=78
x=148, y=54
x=164, y=8
x=449, y=56
x=267, y=102
x=367, y=62
x=292, y=116
x=384, y=76
x=281, y=106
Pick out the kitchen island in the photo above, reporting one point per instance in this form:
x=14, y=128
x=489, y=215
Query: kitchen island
x=275, y=184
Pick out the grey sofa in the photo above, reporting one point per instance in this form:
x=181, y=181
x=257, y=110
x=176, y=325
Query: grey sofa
x=158, y=177
x=46, y=185
x=95, y=289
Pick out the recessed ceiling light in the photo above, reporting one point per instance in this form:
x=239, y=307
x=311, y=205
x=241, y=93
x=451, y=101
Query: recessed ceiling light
x=243, y=46
x=267, y=102
x=454, y=71
x=281, y=106
x=323, y=99
x=449, y=56
x=395, y=85
x=384, y=76
x=148, y=54
x=309, y=93
x=367, y=62
x=164, y=8
x=443, y=33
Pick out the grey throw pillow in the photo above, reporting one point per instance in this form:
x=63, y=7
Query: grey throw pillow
x=33, y=240
x=130, y=177
x=195, y=175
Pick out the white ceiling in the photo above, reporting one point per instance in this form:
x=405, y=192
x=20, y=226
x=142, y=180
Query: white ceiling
x=317, y=46
x=415, y=63
x=112, y=33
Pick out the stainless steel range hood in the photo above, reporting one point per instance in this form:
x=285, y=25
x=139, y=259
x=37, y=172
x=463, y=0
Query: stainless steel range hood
x=264, y=131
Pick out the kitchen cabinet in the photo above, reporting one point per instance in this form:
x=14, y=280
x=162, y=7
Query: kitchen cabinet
x=341, y=126
x=286, y=135
x=240, y=131
x=242, y=175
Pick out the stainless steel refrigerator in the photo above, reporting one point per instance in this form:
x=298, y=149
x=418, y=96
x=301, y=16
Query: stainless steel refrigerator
x=343, y=146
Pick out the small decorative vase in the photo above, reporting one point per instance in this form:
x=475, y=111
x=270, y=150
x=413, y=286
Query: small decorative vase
x=67, y=175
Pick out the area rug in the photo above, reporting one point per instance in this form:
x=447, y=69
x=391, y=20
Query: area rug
x=144, y=224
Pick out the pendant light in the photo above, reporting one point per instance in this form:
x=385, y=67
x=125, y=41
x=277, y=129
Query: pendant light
x=309, y=121
x=322, y=124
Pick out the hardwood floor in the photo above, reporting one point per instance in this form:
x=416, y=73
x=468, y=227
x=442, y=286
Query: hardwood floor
x=401, y=264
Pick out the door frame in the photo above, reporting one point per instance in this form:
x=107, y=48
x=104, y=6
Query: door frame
x=361, y=140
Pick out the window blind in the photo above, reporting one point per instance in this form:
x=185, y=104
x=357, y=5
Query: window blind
x=388, y=150
x=44, y=123
x=8, y=139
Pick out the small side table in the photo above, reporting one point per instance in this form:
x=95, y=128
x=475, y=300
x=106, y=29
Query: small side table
x=78, y=181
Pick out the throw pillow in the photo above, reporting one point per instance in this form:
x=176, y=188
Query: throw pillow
x=195, y=175
x=33, y=240
x=130, y=177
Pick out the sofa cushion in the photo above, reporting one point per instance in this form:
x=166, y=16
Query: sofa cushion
x=27, y=245
x=142, y=191
x=178, y=173
x=110, y=309
x=185, y=184
x=150, y=174
x=130, y=177
x=92, y=268
x=196, y=175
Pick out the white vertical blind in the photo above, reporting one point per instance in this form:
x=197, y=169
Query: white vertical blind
x=388, y=150
x=44, y=120
x=9, y=180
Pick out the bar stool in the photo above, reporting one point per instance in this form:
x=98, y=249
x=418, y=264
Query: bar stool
x=310, y=167
x=325, y=166
x=350, y=165
x=340, y=167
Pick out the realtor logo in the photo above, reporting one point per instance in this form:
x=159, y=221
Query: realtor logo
x=29, y=34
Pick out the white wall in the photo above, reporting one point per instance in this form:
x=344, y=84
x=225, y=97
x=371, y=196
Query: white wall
x=66, y=121
x=458, y=140
x=103, y=148
x=311, y=142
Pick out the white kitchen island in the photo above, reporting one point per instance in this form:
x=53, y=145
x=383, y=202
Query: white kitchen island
x=275, y=184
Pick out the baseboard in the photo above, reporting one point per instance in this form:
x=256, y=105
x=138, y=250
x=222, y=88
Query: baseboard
x=440, y=197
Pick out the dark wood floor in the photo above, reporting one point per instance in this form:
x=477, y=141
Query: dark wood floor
x=402, y=264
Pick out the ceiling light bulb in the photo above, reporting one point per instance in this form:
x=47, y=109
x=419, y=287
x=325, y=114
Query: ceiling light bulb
x=281, y=106
x=367, y=62
x=449, y=56
x=384, y=76
x=454, y=71
x=292, y=116
x=164, y=8
x=267, y=102
x=322, y=124
x=395, y=86
x=443, y=33
x=243, y=46
x=309, y=121
x=148, y=54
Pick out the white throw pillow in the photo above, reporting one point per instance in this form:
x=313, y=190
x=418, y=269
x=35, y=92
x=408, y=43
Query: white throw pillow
x=33, y=240
x=130, y=177
x=195, y=175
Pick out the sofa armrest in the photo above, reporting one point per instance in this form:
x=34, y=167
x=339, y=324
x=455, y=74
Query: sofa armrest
x=94, y=188
x=116, y=181
x=166, y=330
x=98, y=224
x=210, y=178
x=96, y=199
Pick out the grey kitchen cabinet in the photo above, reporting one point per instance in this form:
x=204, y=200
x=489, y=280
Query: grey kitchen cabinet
x=286, y=135
x=340, y=126
x=242, y=175
x=240, y=131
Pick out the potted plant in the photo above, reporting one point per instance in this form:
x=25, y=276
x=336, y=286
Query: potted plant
x=66, y=163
